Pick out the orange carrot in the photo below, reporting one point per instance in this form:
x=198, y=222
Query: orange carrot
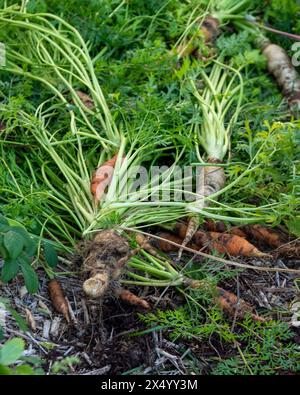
x=228, y=301
x=213, y=226
x=235, y=230
x=102, y=178
x=230, y=244
x=58, y=299
x=145, y=244
x=223, y=242
x=219, y=226
x=210, y=29
x=165, y=246
x=261, y=233
x=234, y=306
x=128, y=297
x=86, y=100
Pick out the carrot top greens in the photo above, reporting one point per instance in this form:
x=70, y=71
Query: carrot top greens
x=172, y=93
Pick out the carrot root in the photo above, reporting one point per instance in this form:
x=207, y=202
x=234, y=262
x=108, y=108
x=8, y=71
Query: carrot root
x=128, y=297
x=223, y=243
x=280, y=65
x=103, y=261
x=102, y=178
x=210, y=181
x=146, y=245
x=58, y=299
x=86, y=99
x=235, y=306
x=261, y=233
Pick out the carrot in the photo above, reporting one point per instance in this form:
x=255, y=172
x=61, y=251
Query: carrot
x=228, y=301
x=261, y=233
x=219, y=226
x=103, y=261
x=128, y=297
x=86, y=100
x=210, y=31
x=235, y=306
x=212, y=180
x=290, y=250
x=226, y=243
x=213, y=226
x=30, y=319
x=58, y=299
x=167, y=247
x=145, y=244
x=223, y=242
x=280, y=65
x=102, y=178
x=235, y=230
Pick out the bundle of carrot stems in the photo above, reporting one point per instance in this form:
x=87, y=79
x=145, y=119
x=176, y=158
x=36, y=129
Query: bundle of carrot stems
x=98, y=202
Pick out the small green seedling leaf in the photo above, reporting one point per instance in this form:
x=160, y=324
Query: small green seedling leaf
x=50, y=255
x=14, y=243
x=30, y=278
x=11, y=351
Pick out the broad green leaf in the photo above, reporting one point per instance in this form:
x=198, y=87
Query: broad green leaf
x=9, y=270
x=5, y=371
x=1, y=333
x=30, y=278
x=50, y=255
x=3, y=252
x=11, y=351
x=24, y=370
x=4, y=227
x=3, y=220
x=14, y=243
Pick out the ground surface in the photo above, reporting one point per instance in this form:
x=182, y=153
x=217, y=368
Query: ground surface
x=104, y=335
